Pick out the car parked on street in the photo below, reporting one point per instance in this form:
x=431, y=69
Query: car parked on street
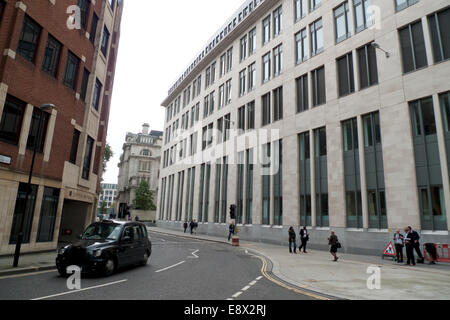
x=106, y=246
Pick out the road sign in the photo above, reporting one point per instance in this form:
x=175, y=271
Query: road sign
x=390, y=250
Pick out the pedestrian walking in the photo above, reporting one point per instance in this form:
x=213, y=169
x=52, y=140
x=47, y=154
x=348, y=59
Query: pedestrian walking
x=231, y=230
x=431, y=249
x=195, y=226
x=191, y=226
x=292, y=240
x=416, y=244
x=304, y=238
x=335, y=245
x=185, y=225
x=410, y=260
x=399, y=242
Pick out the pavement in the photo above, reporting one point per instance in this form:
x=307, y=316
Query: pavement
x=315, y=271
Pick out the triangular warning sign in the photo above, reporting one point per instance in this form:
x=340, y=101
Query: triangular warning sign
x=390, y=250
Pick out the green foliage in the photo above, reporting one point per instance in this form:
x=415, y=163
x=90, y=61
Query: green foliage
x=103, y=208
x=107, y=156
x=144, y=197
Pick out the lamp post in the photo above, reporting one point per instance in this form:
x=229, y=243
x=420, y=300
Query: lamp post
x=42, y=108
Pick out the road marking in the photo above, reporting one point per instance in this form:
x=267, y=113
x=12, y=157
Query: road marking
x=237, y=294
x=75, y=291
x=26, y=274
x=245, y=288
x=194, y=254
x=175, y=265
x=253, y=283
x=259, y=278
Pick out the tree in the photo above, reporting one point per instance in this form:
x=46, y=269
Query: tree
x=144, y=197
x=103, y=208
x=107, y=156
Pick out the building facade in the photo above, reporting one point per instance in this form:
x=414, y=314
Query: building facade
x=108, y=196
x=139, y=161
x=331, y=114
x=50, y=56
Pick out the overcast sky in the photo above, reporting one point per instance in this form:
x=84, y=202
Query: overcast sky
x=159, y=39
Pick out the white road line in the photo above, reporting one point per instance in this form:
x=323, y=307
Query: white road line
x=161, y=270
x=237, y=294
x=75, y=291
x=253, y=283
x=229, y=299
x=194, y=254
x=245, y=288
x=259, y=278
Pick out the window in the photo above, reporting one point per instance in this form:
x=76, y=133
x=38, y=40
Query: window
x=105, y=41
x=249, y=186
x=266, y=30
x=314, y=4
x=278, y=104
x=302, y=93
x=251, y=77
x=24, y=210
x=229, y=59
x=438, y=22
x=412, y=43
x=84, y=11
x=220, y=130
x=341, y=16
x=251, y=115
x=211, y=102
x=228, y=92
x=362, y=17
x=2, y=8
x=11, y=122
x=367, y=61
x=243, y=48
x=72, y=65
x=223, y=61
x=207, y=77
x=265, y=109
x=316, y=37
x=266, y=67
x=277, y=21
x=74, y=147
x=213, y=73
x=277, y=60
x=49, y=210
x=84, y=84
x=221, y=96
x=278, y=183
x=300, y=9
x=94, y=24
x=242, y=82
x=346, y=81
x=51, y=56
x=227, y=121
x=424, y=123
x=402, y=4
x=252, y=41
x=29, y=38
x=97, y=94
x=301, y=46
x=318, y=86
x=241, y=119
x=266, y=165
x=36, y=136
x=87, y=158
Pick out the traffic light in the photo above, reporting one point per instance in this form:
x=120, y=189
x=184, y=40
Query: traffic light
x=232, y=211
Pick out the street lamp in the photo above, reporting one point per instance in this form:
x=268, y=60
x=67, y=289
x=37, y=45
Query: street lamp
x=42, y=108
x=377, y=46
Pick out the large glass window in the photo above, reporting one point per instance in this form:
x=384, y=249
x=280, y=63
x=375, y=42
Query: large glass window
x=29, y=38
x=266, y=165
x=243, y=48
x=278, y=104
x=321, y=177
x=439, y=24
x=277, y=60
x=105, y=41
x=266, y=109
x=300, y=8
x=277, y=21
x=97, y=94
x=266, y=30
x=251, y=77
x=251, y=115
x=240, y=188
x=304, y=157
x=24, y=210
x=87, y=158
x=49, y=210
x=36, y=136
x=84, y=10
x=74, y=148
x=402, y=4
x=278, y=183
x=11, y=121
x=363, y=18
x=94, y=24
x=301, y=46
x=249, y=187
x=252, y=41
x=266, y=67
x=316, y=34
x=318, y=86
x=412, y=43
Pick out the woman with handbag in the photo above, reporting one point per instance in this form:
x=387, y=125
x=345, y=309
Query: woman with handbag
x=334, y=243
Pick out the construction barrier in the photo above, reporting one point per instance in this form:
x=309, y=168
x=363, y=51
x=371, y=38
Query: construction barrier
x=442, y=251
x=235, y=242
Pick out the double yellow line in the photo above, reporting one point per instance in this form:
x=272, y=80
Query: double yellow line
x=268, y=277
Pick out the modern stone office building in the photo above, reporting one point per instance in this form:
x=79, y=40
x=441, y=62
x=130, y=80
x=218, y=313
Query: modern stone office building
x=139, y=161
x=50, y=56
x=331, y=114
x=108, y=196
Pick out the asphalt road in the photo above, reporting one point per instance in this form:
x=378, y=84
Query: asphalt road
x=179, y=269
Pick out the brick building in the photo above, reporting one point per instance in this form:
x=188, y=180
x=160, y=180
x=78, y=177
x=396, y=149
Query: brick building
x=50, y=56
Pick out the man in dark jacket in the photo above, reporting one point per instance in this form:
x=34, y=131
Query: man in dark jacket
x=185, y=225
x=292, y=241
x=304, y=237
x=231, y=230
x=414, y=236
x=191, y=226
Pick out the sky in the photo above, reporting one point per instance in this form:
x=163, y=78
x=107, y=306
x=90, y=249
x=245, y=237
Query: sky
x=159, y=39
